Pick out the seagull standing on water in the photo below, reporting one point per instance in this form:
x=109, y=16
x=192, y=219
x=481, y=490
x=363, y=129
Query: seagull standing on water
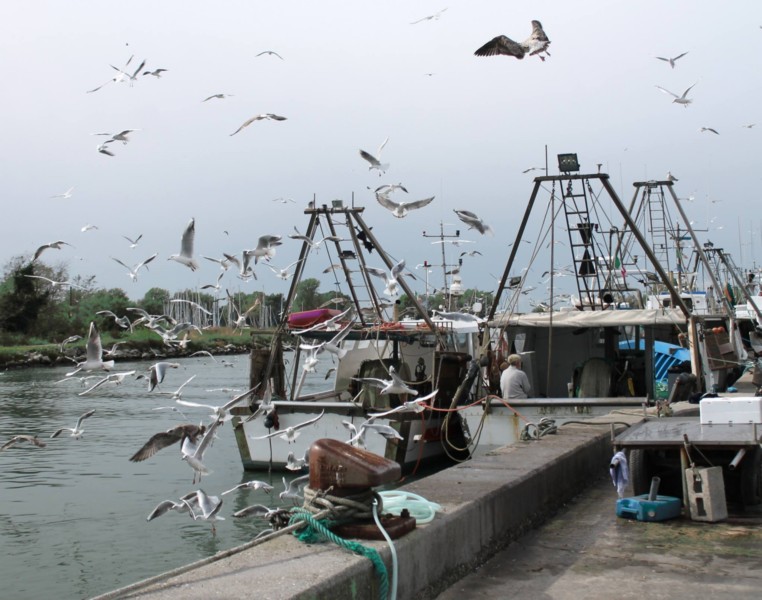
x=186, y=247
x=536, y=43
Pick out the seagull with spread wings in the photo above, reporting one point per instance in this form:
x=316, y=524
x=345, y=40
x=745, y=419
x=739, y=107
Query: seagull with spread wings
x=434, y=17
x=682, y=99
x=269, y=116
x=77, y=432
x=537, y=43
x=52, y=245
x=672, y=60
x=390, y=279
x=400, y=209
x=375, y=161
x=290, y=434
x=133, y=271
x=162, y=440
x=474, y=222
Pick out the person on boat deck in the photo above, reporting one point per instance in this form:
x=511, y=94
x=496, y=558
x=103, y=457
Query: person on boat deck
x=514, y=383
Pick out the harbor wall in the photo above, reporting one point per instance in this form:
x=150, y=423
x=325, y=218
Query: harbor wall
x=487, y=502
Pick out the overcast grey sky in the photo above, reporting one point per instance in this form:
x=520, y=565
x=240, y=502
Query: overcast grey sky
x=460, y=127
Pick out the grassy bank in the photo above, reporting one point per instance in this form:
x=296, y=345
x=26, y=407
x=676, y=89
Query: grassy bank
x=138, y=344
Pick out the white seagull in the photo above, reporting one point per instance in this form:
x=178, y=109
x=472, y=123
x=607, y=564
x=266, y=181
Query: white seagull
x=157, y=372
x=284, y=272
x=434, y=17
x=375, y=162
x=66, y=195
x=709, y=129
x=400, y=209
x=52, y=245
x=77, y=432
x=186, y=247
x=193, y=453
x=217, y=96
x=62, y=284
x=94, y=360
x=683, y=99
x=390, y=279
x=269, y=116
x=395, y=385
x=474, y=222
x=536, y=43
x=133, y=271
x=290, y=433
x=671, y=61
x=133, y=243
x=115, y=378
x=254, y=484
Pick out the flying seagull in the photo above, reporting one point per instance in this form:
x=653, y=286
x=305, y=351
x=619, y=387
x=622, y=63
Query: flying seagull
x=77, y=432
x=270, y=52
x=166, y=438
x=217, y=96
x=400, y=209
x=434, y=17
x=671, y=61
x=94, y=357
x=536, y=43
x=156, y=72
x=133, y=243
x=17, y=439
x=289, y=434
x=52, y=245
x=703, y=129
x=186, y=247
x=269, y=116
x=375, y=163
x=133, y=271
x=473, y=221
x=62, y=284
x=66, y=195
x=684, y=100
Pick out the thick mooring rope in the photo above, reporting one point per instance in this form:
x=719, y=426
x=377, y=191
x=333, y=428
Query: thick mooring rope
x=314, y=515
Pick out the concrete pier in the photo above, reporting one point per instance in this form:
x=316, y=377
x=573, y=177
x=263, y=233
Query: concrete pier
x=488, y=502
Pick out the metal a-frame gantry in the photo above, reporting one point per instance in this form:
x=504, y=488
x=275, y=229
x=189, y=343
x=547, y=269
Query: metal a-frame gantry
x=576, y=200
x=360, y=237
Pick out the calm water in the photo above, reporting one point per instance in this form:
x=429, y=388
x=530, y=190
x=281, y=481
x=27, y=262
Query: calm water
x=73, y=514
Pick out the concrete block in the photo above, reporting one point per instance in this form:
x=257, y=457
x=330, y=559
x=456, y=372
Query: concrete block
x=706, y=494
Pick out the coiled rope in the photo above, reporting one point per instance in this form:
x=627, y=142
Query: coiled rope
x=534, y=431
x=322, y=510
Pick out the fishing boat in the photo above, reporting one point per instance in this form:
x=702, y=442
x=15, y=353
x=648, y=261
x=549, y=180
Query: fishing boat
x=367, y=344
x=609, y=349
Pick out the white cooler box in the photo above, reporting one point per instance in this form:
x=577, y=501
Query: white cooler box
x=731, y=410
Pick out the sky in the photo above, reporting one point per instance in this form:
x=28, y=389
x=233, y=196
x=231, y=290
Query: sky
x=460, y=128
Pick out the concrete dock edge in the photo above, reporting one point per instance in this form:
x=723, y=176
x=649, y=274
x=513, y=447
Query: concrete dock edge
x=488, y=502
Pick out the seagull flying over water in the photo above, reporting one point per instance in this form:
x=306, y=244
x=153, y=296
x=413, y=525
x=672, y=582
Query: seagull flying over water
x=77, y=432
x=254, y=484
x=671, y=61
x=94, y=357
x=290, y=434
x=162, y=440
x=269, y=116
x=684, y=100
x=18, y=439
x=186, y=247
x=395, y=385
x=536, y=43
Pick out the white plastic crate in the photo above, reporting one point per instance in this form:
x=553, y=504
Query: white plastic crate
x=731, y=410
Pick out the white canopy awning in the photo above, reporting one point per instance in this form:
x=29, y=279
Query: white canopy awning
x=592, y=318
